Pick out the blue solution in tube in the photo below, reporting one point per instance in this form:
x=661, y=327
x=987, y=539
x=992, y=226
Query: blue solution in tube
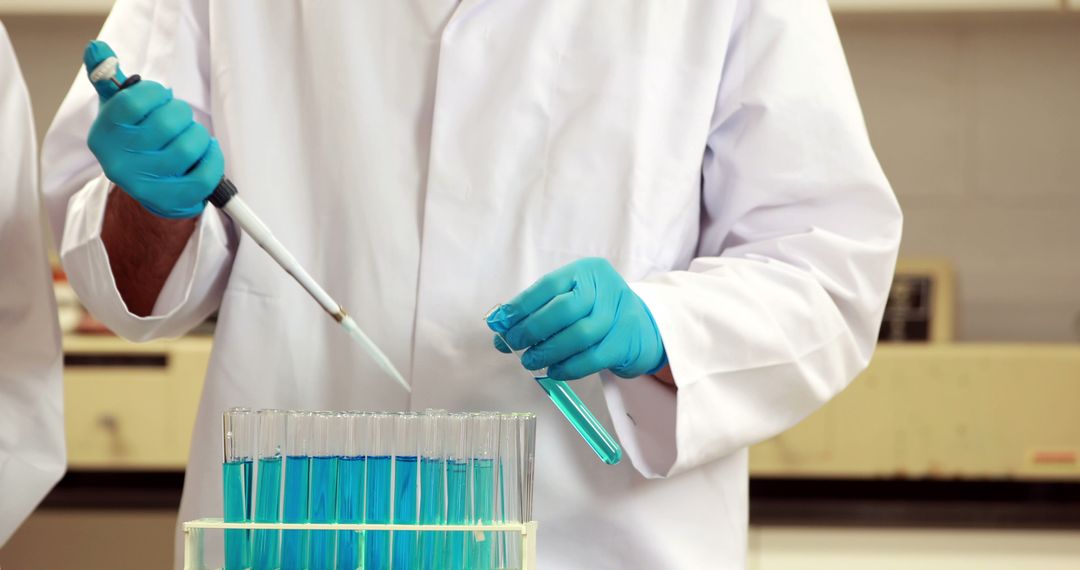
x=323, y=510
x=350, y=510
x=457, y=493
x=267, y=510
x=432, y=481
x=294, y=543
x=377, y=543
x=236, y=483
x=481, y=552
x=405, y=510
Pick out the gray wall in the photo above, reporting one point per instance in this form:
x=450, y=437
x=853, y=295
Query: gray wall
x=974, y=117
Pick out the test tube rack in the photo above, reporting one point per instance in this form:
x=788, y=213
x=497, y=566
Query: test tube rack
x=195, y=532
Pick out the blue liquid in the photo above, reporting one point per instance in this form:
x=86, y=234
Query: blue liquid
x=268, y=510
x=236, y=484
x=294, y=543
x=377, y=543
x=323, y=510
x=350, y=509
x=432, y=481
x=405, y=510
x=457, y=493
x=588, y=427
x=481, y=552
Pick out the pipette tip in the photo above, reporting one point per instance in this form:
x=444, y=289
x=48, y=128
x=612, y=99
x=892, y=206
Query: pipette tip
x=373, y=350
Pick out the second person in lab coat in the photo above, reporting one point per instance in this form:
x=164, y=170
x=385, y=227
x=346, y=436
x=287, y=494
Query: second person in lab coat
x=696, y=176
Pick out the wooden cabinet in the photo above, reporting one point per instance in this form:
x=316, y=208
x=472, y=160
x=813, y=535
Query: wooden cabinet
x=131, y=406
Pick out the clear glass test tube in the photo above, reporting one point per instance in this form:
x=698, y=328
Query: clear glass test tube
x=328, y=431
x=270, y=445
x=406, y=488
x=575, y=411
x=456, y=449
x=528, y=463
x=351, y=474
x=483, y=456
x=294, y=543
x=238, y=431
x=508, y=489
x=432, y=487
x=377, y=555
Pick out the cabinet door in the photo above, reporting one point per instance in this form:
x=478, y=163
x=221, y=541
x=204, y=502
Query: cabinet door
x=945, y=5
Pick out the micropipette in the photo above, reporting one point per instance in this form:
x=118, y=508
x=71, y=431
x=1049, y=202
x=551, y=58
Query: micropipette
x=576, y=412
x=225, y=198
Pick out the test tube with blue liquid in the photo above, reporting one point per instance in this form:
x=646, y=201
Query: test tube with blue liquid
x=270, y=445
x=406, y=488
x=377, y=555
x=327, y=441
x=456, y=449
x=351, y=473
x=294, y=543
x=238, y=429
x=432, y=488
x=573, y=409
x=483, y=456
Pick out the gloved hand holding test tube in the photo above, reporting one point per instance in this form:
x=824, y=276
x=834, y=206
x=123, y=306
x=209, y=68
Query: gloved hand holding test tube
x=112, y=137
x=576, y=412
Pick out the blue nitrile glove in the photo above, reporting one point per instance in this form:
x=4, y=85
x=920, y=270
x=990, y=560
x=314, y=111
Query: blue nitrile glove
x=578, y=320
x=149, y=145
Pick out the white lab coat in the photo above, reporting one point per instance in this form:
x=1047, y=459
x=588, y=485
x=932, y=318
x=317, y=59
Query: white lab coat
x=32, y=455
x=426, y=160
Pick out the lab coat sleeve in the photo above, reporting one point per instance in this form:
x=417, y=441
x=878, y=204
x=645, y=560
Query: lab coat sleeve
x=32, y=457
x=799, y=234
x=167, y=41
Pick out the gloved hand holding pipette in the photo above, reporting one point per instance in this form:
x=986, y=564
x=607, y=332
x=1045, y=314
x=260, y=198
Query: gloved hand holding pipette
x=149, y=144
x=578, y=320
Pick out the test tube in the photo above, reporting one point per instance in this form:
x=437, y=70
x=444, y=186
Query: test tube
x=508, y=495
x=432, y=487
x=456, y=450
x=377, y=555
x=294, y=543
x=528, y=464
x=406, y=490
x=351, y=473
x=238, y=430
x=575, y=411
x=327, y=445
x=483, y=455
x=270, y=443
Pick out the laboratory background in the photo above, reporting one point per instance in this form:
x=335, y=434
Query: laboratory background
x=959, y=447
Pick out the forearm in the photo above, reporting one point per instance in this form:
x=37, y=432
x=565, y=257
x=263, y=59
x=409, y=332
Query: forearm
x=142, y=248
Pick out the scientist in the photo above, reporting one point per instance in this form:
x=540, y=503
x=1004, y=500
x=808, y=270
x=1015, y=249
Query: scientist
x=681, y=196
x=31, y=391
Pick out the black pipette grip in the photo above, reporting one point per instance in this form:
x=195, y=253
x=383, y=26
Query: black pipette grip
x=223, y=193
x=225, y=189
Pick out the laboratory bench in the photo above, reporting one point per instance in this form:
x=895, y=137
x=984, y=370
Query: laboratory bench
x=949, y=434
